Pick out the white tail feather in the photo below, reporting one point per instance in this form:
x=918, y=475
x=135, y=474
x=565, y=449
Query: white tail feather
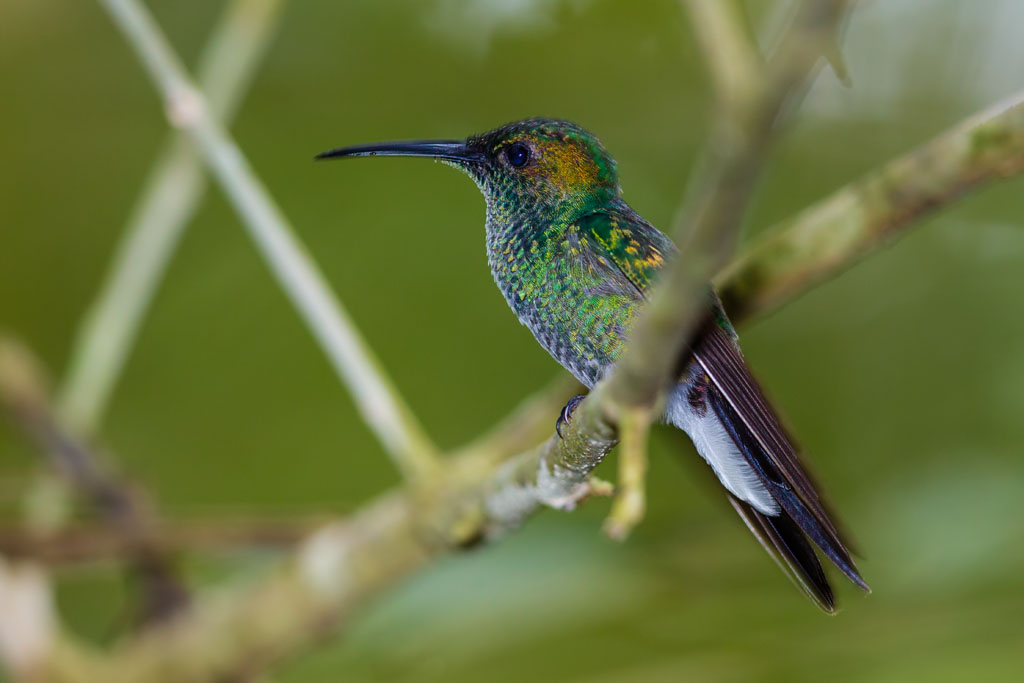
x=714, y=444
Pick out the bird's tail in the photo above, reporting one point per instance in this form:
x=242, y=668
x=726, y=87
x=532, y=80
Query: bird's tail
x=723, y=410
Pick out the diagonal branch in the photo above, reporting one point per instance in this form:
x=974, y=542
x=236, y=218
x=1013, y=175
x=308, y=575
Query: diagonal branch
x=171, y=195
x=380, y=405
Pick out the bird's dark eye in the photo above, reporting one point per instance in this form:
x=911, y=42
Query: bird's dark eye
x=518, y=155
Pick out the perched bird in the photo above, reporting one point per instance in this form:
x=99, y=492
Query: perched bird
x=576, y=263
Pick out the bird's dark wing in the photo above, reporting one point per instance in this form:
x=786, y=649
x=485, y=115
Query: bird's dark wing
x=754, y=427
x=638, y=250
x=783, y=540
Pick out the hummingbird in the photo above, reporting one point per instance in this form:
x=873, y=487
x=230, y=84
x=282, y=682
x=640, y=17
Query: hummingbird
x=576, y=264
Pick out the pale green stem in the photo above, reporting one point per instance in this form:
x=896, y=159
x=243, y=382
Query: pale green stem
x=630, y=497
x=381, y=407
x=172, y=192
x=733, y=60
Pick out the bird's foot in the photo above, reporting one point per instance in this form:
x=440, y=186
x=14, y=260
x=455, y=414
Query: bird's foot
x=566, y=415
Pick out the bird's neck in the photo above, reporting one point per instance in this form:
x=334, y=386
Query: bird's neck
x=517, y=239
x=517, y=228
x=517, y=231
x=523, y=244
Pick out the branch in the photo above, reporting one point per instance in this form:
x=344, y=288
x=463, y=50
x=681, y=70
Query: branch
x=631, y=499
x=171, y=195
x=379, y=404
x=830, y=235
x=93, y=542
x=733, y=60
x=22, y=389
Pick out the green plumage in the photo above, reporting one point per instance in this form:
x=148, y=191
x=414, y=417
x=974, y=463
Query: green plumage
x=578, y=284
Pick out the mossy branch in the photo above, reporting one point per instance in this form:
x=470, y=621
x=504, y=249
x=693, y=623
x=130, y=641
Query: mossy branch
x=831, y=234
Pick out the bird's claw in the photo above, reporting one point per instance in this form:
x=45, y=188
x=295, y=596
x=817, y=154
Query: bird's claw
x=566, y=414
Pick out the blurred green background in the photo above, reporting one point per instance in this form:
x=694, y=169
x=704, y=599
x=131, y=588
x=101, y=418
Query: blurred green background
x=904, y=377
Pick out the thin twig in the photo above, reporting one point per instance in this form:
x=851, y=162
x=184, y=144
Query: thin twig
x=732, y=57
x=84, y=543
x=380, y=405
x=630, y=499
x=22, y=388
x=172, y=193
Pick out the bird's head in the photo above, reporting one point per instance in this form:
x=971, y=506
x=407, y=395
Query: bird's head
x=537, y=165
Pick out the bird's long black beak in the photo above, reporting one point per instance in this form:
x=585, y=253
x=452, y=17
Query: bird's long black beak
x=449, y=150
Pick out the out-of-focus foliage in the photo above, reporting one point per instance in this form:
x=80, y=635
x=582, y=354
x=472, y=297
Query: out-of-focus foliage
x=904, y=378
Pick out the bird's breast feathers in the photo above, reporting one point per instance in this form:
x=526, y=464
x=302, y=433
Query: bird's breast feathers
x=576, y=302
